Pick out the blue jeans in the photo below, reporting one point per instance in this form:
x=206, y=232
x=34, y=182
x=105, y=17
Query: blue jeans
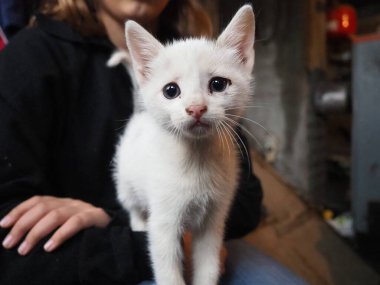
x=246, y=265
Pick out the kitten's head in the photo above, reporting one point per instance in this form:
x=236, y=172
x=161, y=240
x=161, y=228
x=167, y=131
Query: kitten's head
x=195, y=87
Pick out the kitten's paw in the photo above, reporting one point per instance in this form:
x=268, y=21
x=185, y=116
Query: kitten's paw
x=138, y=225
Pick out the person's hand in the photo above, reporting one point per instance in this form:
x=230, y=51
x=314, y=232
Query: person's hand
x=187, y=249
x=40, y=215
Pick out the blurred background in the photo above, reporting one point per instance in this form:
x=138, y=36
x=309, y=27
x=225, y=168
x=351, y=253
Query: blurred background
x=314, y=129
x=315, y=122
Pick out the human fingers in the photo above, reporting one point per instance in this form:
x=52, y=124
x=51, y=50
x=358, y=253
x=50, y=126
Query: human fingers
x=25, y=223
x=11, y=218
x=44, y=227
x=93, y=217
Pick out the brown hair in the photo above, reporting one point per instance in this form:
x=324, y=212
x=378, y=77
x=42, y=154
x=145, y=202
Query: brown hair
x=179, y=19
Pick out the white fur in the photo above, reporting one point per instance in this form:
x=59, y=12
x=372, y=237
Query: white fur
x=173, y=178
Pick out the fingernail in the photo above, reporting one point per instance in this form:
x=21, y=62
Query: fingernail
x=8, y=241
x=5, y=221
x=49, y=246
x=23, y=248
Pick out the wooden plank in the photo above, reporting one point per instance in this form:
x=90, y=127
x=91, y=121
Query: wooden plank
x=316, y=48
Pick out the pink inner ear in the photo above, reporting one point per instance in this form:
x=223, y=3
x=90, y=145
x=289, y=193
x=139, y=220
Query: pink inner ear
x=239, y=34
x=143, y=48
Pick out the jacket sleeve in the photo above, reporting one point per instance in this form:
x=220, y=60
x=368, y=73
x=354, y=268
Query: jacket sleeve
x=30, y=83
x=245, y=212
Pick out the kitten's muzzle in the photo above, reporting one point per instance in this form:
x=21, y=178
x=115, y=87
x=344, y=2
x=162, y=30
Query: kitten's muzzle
x=197, y=125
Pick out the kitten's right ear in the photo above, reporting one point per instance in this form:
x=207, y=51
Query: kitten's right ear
x=240, y=36
x=143, y=47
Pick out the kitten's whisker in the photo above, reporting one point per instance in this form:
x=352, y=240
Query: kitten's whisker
x=246, y=107
x=177, y=132
x=121, y=128
x=252, y=121
x=123, y=120
x=219, y=135
x=227, y=136
x=228, y=128
x=243, y=144
x=173, y=130
x=123, y=125
x=247, y=131
x=237, y=143
x=224, y=138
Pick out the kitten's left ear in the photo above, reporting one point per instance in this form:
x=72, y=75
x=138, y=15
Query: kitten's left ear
x=143, y=47
x=240, y=35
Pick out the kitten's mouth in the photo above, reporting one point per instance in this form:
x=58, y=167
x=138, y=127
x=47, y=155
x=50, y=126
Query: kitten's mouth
x=199, y=124
x=199, y=128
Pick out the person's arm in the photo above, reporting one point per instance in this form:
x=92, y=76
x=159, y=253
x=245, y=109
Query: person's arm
x=29, y=111
x=30, y=84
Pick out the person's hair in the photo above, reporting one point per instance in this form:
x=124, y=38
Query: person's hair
x=179, y=19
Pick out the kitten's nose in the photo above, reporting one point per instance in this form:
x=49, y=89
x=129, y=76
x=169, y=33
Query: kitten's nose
x=196, y=111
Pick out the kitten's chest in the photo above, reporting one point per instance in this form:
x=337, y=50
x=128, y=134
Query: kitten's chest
x=207, y=186
x=206, y=173
x=197, y=211
x=202, y=171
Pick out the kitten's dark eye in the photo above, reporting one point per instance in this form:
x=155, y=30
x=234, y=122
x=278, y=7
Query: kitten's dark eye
x=218, y=84
x=171, y=90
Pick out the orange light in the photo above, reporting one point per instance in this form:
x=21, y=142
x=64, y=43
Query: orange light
x=345, y=21
x=342, y=21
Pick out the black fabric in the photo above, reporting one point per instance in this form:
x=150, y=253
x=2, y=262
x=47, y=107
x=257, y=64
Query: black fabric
x=15, y=14
x=246, y=210
x=61, y=112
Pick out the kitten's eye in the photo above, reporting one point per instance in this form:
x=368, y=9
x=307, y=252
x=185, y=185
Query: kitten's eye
x=218, y=84
x=171, y=90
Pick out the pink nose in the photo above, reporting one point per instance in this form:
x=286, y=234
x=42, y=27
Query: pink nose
x=196, y=111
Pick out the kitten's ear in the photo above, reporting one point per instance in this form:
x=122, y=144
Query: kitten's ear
x=143, y=47
x=240, y=35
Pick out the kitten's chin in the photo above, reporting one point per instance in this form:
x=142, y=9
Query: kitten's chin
x=198, y=130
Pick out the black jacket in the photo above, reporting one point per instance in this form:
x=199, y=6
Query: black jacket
x=61, y=112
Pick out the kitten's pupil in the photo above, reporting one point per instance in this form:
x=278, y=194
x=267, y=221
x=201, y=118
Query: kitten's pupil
x=218, y=84
x=171, y=90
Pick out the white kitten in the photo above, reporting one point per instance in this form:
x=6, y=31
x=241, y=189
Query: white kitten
x=176, y=166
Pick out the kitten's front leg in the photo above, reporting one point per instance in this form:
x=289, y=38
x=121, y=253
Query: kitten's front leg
x=165, y=250
x=207, y=245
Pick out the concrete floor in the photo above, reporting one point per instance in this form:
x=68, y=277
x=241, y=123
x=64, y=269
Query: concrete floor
x=295, y=235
